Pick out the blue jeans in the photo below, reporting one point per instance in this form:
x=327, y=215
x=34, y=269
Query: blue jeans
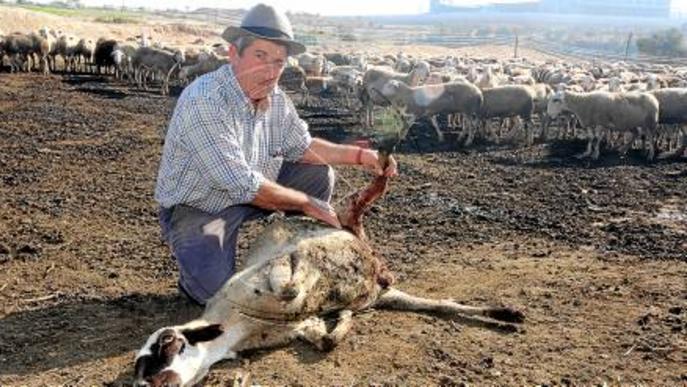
x=204, y=244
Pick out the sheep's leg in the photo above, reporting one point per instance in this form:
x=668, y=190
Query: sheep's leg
x=679, y=150
x=598, y=138
x=650, y=138
x=529, y=134
x=343, y=326
x=627, y=144
x=370, y=114
x=435, y=124
x=590, y=141
x=471, y=135
x=545, y=121
x=312, y=330
x=397, y=300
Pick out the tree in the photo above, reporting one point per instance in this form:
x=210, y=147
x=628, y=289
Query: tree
x=664, y=43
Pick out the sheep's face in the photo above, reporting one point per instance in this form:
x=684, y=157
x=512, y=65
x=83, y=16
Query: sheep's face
x=117, y=57
x=556, y=104
x=171, y=356
x=420, y=73
x=179, y=56
x=390, y=88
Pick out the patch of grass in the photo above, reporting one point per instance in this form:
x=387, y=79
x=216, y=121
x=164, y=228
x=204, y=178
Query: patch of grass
x=116, y=20
x=52, y=10
x=103, y=15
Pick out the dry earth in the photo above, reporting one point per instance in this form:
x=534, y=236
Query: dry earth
x=595, y=253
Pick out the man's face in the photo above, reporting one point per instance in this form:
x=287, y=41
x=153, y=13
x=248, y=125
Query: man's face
x=259, y=67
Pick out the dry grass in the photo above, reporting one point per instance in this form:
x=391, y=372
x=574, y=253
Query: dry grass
x=183, y=33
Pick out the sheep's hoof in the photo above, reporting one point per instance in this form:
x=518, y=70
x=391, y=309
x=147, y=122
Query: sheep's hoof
x=507, y=315
x=328, y=343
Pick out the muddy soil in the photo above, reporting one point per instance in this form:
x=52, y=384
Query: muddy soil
x=594, y=252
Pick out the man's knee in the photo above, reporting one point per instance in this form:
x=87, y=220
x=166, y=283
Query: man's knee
x=324, y=179
x=313, y=179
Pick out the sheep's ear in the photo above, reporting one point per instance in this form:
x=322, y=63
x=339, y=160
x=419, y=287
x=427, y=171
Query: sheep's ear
x=206, y=333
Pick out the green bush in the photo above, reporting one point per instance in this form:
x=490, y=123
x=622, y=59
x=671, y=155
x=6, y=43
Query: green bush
x=664, y=43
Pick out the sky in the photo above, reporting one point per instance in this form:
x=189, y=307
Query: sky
x=327, y=7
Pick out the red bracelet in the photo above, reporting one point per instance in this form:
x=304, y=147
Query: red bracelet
x=359, y=157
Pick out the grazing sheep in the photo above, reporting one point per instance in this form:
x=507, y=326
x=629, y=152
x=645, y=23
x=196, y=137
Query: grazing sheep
x=599, y=111
x=84, y=54
x=374, y=80
x=65, y=46
x=551, y=76
x=102, y=55
x=41, y=49
x=50, y=40
x=312, y=64
x=430, y=100
x=360, y=61
x=338, y=58
x=511, y=101
x=348, y=80
x=156, y=61
x=209, y=64
x=672, y=113
x=20, y=48
x=488, y=80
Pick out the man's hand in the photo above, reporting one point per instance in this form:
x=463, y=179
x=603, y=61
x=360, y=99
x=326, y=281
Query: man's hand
x=370, y=159
x=321, y=210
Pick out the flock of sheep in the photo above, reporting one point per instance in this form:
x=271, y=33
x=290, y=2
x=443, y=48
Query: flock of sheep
x=620, y=103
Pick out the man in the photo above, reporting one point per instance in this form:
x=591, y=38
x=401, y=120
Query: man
x=236, y=149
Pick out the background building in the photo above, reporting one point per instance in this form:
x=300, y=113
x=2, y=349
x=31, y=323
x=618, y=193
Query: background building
x=632, y=8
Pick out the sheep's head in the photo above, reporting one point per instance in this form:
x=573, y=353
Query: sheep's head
x=171, y=356
x=614, y=84
x=420, y=73
x=556, y=104
x=117, y=56
x=390, y=88
x=179, y=56
x=44, y=32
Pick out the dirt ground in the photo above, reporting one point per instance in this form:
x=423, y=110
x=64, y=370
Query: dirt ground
x=595, y=254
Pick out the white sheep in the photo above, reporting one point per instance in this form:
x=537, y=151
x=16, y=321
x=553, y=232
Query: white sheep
x=430, y=100
x=600, y=111
x=506, y=102
x=374, y=80
x=672, y=117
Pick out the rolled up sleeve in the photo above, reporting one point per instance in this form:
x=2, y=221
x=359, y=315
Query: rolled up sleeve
x=218, y=152
x=297, y=138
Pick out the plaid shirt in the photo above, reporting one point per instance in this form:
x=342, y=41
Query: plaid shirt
x=219, y=149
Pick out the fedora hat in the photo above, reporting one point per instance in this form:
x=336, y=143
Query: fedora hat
x=265, y=22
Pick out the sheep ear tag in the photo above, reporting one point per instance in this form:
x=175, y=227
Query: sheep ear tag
x=200, y=334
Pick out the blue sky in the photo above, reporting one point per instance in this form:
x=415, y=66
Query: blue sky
x=328, y=7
